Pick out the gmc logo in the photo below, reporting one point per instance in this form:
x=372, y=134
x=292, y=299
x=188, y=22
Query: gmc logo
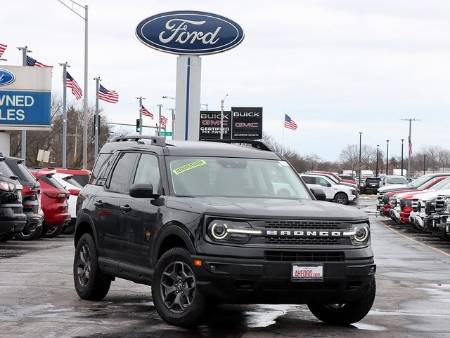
x=303, y=233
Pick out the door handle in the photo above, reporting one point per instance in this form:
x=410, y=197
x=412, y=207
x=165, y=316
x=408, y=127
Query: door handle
x=125, y=208
x=98, y=203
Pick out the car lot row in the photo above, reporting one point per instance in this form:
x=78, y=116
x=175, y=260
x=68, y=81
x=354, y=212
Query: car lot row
x=37, y=202
x=423, y=204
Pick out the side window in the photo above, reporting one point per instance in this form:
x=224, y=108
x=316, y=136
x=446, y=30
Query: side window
x=323, y=182
x=147, y=172
x=121, y=175
x=309, y=180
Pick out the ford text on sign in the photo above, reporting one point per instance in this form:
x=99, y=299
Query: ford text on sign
x=189, y=32
x=26, y=100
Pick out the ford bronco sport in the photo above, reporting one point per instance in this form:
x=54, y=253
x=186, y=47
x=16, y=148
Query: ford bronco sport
x=209, y=222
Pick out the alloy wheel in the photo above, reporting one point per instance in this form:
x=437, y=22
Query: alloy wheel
x=84, y=265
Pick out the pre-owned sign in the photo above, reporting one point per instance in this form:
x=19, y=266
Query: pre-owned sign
x=246, y=122
x=240, y=123
x=25, y=97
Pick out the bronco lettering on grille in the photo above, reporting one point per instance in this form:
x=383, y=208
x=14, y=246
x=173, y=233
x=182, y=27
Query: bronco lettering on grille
x=301, y=233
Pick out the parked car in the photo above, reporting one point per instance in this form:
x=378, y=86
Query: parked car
x=54, y=203
x=393, y=180
x=203, y=223
x=339, y=193
x=372, y=184
x=335, y=178
x=79, y=175
x=73, y=187
x=12, y=218
x=30, y=199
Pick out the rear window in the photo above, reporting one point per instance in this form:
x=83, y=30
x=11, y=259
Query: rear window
x=99, y=168
x=52, y=181
x=80, y=180
x=72, y=180
x=5, y=170
x=21, y=171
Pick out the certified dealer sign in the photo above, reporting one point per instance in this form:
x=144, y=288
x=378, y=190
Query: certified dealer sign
x=189, y=33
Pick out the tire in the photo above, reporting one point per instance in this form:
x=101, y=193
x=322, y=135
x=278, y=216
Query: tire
x=341, y=198
x=90, y=282
x=32, y=235
x=6, y=237
x=347, y=313
x=184, y=305
x=52, y=232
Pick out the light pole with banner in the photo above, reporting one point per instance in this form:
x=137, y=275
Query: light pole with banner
x=23, y=145
x=222, y=104
x=387, y=157
x=64, y=65
x=140, y=98
x=84, y=17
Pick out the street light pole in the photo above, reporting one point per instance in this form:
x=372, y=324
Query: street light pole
x=387, y=157
x=410, y=121
x=222, y=103
x=360, y=139
x=23, y=146
x=378, y=158
x=85, y=94
x=65, y=65
x=159, y=118
x=402, y=157
x=96, y=117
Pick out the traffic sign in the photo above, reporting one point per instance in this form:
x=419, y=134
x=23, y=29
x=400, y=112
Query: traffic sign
x=165, y=133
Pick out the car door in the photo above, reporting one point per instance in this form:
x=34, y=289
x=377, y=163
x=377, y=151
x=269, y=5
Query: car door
x=116, y=188
x=142, y=221
x=326, y=186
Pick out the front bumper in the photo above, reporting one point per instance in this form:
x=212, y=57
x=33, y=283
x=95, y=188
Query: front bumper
x=34, y=221
x=394, y=214
x=238, y=280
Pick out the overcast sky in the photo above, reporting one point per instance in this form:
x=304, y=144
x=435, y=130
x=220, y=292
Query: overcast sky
x=335, y=66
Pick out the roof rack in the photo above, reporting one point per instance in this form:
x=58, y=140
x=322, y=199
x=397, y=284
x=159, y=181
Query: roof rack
x=155, y=140
x=260, y=145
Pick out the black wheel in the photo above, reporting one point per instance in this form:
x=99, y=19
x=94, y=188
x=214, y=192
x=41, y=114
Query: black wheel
x=341, y=198
x=174, y=289
x=53, y=232
x=30, y=235
x=345, y=313
x=6, y=237
x=90, y=282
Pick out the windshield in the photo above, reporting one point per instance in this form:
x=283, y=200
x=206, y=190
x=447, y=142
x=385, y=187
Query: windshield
x=419, y=181
x=235, y=177
x=396, y=180
x=71, y=180
x=444, y=184
x=5, y=170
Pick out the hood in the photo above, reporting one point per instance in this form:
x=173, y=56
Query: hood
x=265, y=208
x=427, y=195
x=392, y=187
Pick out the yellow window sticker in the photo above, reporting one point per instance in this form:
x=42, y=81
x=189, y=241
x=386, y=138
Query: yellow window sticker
x=189, y=166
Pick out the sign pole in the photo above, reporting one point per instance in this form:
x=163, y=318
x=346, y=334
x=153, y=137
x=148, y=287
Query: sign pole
x=159, y=119
x=96, y=117
x=85, y=96
x=23, y=147
x=64, y=107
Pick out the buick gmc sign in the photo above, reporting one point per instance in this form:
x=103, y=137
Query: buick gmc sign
x=189, y=33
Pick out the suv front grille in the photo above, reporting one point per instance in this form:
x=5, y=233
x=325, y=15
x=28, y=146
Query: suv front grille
x=309, y=240
x=304, y=224
x=306, y=256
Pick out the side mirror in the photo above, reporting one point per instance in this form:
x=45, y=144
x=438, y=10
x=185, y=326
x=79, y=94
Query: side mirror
x=319, y=194
x=142, y=191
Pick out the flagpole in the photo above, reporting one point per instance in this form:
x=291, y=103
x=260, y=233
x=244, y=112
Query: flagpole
x=159, y=119
x=140, y=98
x=64, y=113
x=23, y=146
x=96, y=117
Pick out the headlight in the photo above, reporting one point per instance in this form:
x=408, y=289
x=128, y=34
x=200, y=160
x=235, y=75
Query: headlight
x=231, y=231
x=359, y=234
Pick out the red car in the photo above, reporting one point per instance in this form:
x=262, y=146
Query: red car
x=54, y=203
x=79, y=175
x=387, y=196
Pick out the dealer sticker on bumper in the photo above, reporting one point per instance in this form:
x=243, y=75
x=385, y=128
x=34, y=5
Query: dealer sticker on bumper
x=301, y=273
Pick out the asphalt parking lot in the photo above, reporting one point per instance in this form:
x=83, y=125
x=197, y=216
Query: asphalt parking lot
x=37, y=298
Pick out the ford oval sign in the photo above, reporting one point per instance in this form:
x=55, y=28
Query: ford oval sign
x=6, y=77
x=189, y=32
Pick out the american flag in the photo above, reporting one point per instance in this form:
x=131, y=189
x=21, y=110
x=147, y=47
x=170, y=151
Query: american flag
x=71, y=83
x=289, y=123
x=2, y=49
x=163, y=122
x=108, y=95
x=146, y=112
x=34, y=63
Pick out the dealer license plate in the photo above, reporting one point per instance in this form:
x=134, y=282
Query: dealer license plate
x=302, y=273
